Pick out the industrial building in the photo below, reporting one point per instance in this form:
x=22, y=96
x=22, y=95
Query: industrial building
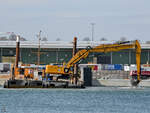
x=59, y=51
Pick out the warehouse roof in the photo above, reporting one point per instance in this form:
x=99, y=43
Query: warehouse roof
x=57, y=44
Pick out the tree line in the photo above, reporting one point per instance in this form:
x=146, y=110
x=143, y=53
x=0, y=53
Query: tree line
x=12, y=37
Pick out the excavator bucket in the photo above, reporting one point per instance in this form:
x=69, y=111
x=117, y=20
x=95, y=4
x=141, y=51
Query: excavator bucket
x=134, y=82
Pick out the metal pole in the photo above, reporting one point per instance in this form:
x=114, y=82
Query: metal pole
x=92, y=39
x=17, y=51
x=57, y=56
x=74, y=46
x=15, y=69
x=39, y=36
x=1, y=54
x=148, y=56
x=129, y=56
x=92, y=31
x=75, y=72
x=111, y=57
x=20, y=55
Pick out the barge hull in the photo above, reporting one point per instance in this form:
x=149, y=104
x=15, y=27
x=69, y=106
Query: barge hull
x=39, y=84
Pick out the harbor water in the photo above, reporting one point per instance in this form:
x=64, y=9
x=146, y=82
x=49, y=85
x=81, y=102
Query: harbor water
x=89, y=100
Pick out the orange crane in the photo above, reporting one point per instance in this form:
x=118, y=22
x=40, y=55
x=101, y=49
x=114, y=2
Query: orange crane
x=65, y=69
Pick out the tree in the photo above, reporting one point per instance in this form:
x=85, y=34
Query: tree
x=103, y=39
x=12, y=37
x=44, y=39
x=3, y=38
x=122, y=39
x=147, y=42
x=58, y=39
x=86, y=39
x=22, y=39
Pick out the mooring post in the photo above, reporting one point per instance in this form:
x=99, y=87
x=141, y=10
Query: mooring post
x=75, y=72
x=15, y=69
x=17, y=51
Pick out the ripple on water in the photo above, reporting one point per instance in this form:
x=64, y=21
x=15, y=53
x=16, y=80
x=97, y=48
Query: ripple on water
x=89, y=100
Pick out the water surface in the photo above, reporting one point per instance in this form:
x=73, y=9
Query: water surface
x=89, y=100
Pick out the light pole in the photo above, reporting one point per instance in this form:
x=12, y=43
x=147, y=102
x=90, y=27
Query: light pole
x=92, y=24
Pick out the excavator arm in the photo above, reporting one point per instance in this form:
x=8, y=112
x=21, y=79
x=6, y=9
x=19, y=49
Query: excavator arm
x=82, y=54
x=109, y=48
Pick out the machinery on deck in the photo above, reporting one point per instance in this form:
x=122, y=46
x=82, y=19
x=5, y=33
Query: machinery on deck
x=66, y=69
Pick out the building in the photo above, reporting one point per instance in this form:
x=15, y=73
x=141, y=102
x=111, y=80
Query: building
x=59, y=51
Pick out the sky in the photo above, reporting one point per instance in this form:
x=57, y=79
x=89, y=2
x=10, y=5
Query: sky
x=66, y=19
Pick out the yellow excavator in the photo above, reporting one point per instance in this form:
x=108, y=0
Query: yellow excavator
x=65, y=69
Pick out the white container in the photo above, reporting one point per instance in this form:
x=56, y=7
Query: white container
x=126, y=68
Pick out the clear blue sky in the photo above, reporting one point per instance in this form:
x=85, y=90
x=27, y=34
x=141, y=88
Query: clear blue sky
x=65, y=19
